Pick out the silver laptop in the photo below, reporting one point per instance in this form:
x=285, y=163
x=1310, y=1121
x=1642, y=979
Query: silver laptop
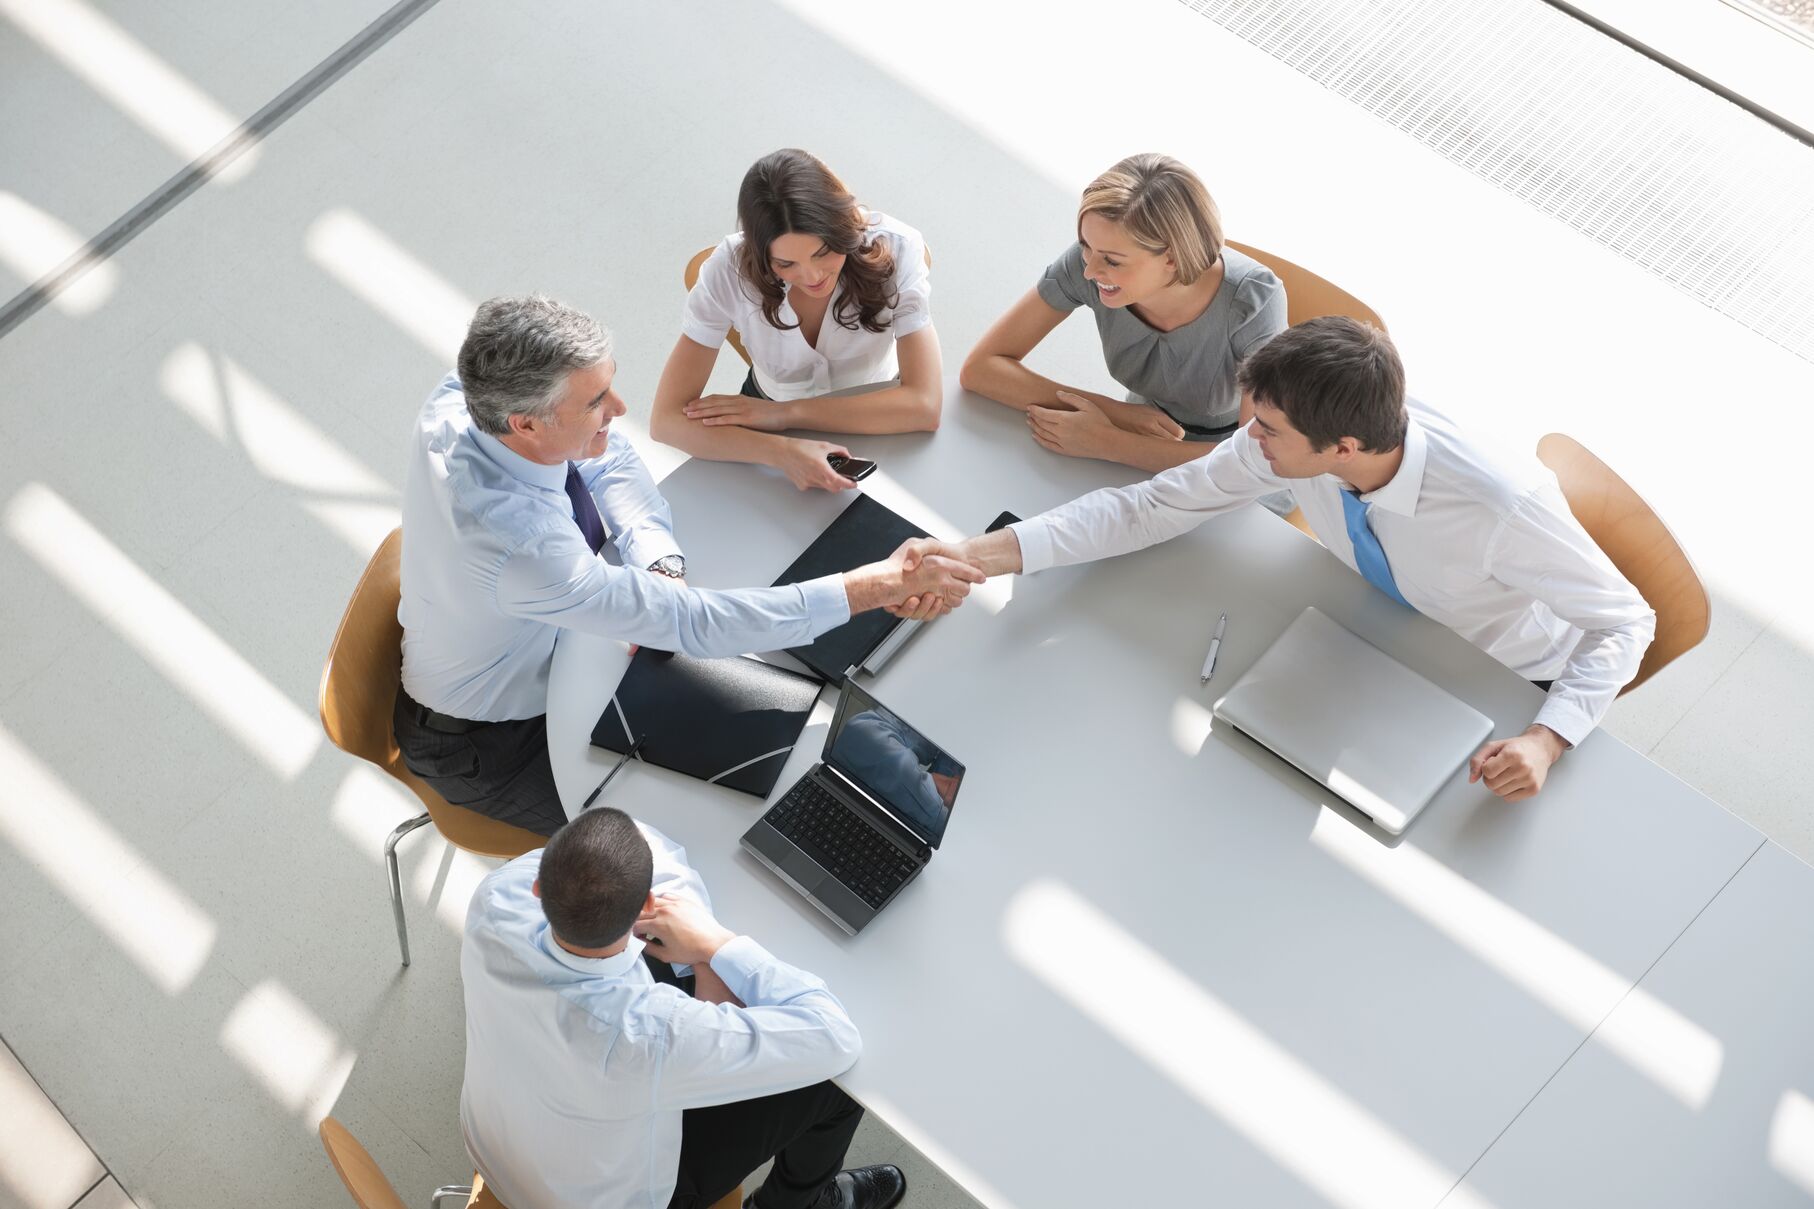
x=1354, y=719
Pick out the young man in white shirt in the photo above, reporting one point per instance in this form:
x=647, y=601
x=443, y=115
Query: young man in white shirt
x=593, y=1079
x=1484, y=544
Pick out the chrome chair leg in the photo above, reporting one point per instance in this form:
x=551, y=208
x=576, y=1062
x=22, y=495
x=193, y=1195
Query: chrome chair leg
x=449, y=1191
x=390, y=859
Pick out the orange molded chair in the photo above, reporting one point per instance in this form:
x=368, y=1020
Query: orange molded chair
x=1640, y=545
x=366, y=1181
x=371, y=1190
x=1308, y=296
x=359, y=688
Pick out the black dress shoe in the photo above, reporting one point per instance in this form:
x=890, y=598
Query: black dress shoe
x=879, y=1187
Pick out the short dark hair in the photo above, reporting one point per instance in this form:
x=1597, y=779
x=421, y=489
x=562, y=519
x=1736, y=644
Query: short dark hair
x=595, y=875
x=1333, y=378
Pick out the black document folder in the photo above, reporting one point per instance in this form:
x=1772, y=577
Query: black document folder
x=865, y=532
x=728, y=721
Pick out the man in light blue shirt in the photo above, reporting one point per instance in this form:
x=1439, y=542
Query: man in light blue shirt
x=594, y=1080
x=515, y=485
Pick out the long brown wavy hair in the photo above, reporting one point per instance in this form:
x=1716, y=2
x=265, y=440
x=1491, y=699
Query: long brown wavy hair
x=789, y=192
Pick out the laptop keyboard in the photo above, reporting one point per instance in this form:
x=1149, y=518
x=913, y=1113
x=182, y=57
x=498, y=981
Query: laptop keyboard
x=842, y=841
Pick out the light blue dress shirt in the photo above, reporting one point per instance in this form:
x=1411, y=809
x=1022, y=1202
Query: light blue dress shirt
x=493, y=563
x=578, y=1069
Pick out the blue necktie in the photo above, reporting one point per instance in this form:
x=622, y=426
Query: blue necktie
x=585, y=510
x=1369, y=558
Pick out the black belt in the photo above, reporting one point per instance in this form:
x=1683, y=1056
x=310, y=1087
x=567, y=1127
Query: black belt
x=439, y=722
x=1219, y=433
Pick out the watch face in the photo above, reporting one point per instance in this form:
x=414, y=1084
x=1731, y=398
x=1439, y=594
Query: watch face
x=671, y=564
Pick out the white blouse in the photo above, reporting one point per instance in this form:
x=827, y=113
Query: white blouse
x=786, y=366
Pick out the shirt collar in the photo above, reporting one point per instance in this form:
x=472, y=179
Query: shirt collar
x=554, y=478
x=614, y=966
x=1400, y=493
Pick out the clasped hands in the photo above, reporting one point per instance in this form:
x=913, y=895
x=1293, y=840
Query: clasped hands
x=923, y=561
x=1088, y=428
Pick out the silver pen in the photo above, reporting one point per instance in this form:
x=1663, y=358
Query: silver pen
x=1215, y=648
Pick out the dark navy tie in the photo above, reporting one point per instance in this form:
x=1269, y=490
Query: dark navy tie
x=585, y=510
x=1369, y=555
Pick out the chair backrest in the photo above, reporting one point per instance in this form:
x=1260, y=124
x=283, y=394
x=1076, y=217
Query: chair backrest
x=482, y=1197
x=358, y=1170
x=364, y=669
x=1308, y=296
x=1640, y=545
x=692, y=276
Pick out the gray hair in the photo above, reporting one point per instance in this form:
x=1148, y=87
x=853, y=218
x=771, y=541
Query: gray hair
x=518, y=353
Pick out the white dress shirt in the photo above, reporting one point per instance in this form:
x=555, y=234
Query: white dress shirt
x=1486, y=546
x=493, y=562
x=786, y=366
x=578, y=1068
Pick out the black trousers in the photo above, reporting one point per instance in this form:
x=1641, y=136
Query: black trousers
x=806, y=1131
x=499, y=769
x=749, y=386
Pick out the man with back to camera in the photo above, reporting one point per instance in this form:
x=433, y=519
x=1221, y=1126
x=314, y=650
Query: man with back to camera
x=1485, y=545
x=594, y=1079
x=515, y=484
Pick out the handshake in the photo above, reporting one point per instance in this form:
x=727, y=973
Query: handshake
x=925, y=578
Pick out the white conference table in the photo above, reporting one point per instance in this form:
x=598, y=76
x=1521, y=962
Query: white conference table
x=1152, y=964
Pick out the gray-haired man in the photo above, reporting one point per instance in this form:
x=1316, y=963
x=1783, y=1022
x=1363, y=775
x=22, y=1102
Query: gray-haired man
x=515, y=483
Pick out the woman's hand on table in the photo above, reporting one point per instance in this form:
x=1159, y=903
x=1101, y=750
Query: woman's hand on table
x=763, y=415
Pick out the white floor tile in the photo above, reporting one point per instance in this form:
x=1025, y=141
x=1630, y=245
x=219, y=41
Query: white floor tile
x=1745, y=742
x=247, y=1151
x=129, y=1065
x=44, y=1164
x=106, y=1195
x=140, y=754
x=1650, y=711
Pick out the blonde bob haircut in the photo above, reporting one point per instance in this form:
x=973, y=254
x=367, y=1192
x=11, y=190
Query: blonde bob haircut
x=1163, y=207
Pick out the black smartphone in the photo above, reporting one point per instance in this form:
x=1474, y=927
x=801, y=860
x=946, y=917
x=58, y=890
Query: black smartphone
x=1002, y=522
x=854, y=469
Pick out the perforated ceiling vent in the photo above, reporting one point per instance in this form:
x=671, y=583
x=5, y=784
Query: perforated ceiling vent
x=1670, y=176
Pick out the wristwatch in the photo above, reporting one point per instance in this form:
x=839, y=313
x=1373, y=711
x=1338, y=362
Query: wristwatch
x=671, y=565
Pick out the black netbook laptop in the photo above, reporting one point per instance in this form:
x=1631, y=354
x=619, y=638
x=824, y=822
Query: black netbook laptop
x=861, y=825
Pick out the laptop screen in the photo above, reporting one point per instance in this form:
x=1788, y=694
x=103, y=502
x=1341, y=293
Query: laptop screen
x=893, y=763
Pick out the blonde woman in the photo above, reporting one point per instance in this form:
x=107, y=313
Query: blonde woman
x=1176, y=310
x=827, y=295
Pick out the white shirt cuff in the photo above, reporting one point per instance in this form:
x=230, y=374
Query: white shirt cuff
x=1035, y=544
x=1566, y=719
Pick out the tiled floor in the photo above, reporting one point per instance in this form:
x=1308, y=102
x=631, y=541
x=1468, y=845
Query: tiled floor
x=44, y=1164
x=197, y=959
